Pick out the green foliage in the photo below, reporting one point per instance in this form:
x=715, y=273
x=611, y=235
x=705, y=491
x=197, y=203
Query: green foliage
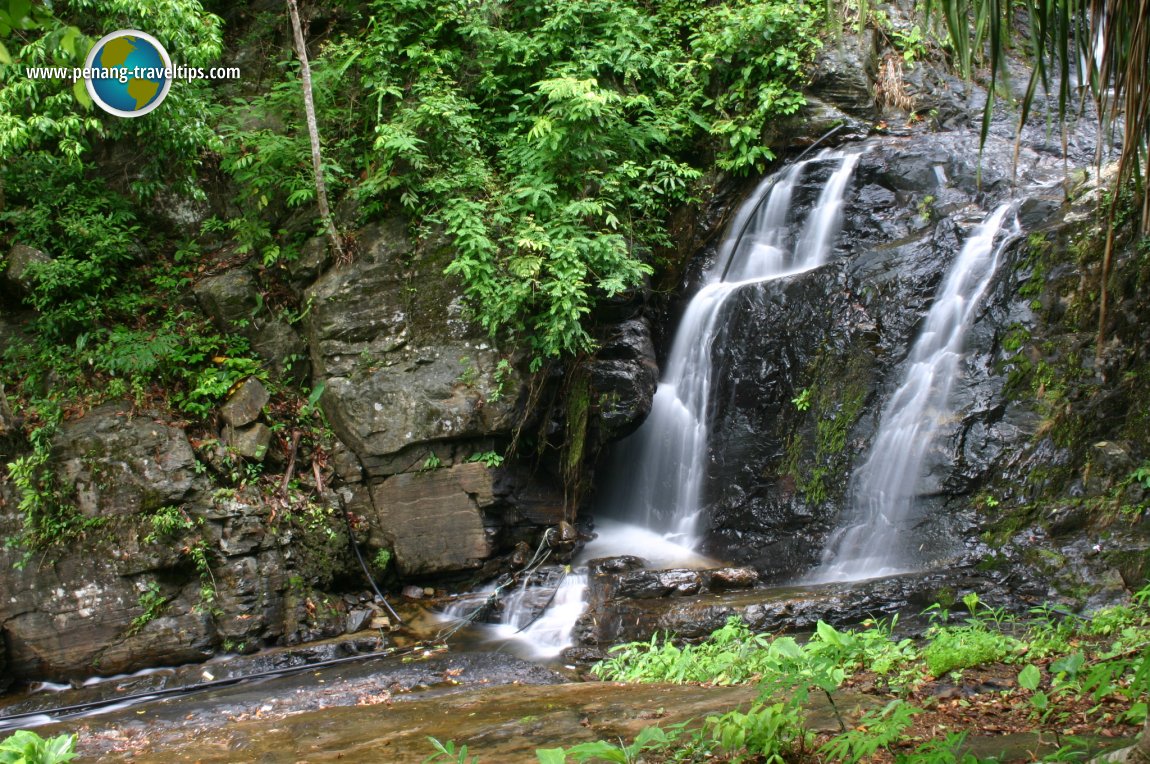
x=773, y=732
x=152, y=603
x=169, y=523
x=975, y=643
x=875, y=730
x=49, y=119
x=649, y=740
x=489, y=458
x=548, y=141
x=382, y=559
x=26, y=747
x=802, y=401
x=446, y=752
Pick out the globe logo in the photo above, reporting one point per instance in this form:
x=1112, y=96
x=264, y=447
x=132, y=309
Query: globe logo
x=132, y=73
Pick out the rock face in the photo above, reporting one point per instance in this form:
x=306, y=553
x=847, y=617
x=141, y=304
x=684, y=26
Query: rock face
x=160, y=569
x=400, y=366
x=418, y=396
x=120, y=464
x=433, y=521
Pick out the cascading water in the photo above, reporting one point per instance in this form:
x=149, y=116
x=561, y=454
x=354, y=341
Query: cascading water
x=883, y=489
x=657, y=481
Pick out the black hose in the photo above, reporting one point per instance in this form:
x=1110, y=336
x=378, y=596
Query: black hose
x=362, y=564
x=62, y=712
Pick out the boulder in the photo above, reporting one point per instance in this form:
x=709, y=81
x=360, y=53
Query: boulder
x=22, y=260
x=78, y=617
x=230, y=298
x=624, y=375
x=399, y=363
x=120, y=463
x=434, y=521
x=245, y=404
x=250, y=442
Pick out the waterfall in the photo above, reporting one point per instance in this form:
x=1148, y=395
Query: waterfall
x=656, y=481
x=658, y=472
x=882, y=492
x=538, y=614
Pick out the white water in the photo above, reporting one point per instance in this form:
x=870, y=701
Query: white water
x=877, y=540
x=659, y=471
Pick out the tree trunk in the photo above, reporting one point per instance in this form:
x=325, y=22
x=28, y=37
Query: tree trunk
x=313, y=133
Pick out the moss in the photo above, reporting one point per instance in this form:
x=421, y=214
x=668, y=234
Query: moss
x=578, y=410
x=834, y=398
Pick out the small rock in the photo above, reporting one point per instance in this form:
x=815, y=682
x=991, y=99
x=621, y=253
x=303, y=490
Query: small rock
x=358, y=619
x=413, y=592
x=428, y=591
x=245, y=404
x=249, y=442
x=620, y=564
x=380, y=622
x=734, y=578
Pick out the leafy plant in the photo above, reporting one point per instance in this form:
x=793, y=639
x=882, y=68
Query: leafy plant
x=152, y=603
x=875, y=730
x=26, y=747
x=447, y=752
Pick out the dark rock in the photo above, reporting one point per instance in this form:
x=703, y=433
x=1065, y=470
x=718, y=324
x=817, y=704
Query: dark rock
x=250, y=442
x=231, y=299
x=314, y=259
x=794, y=609
x=22, y=263
x=245, y=404
x=624, y=375
x=121, y=464
x=358, y=620
x=284, y=350
x=646, y=584
x=844, y=75
x=606, y=566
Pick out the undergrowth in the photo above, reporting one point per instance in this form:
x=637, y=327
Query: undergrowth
x=1065, y=668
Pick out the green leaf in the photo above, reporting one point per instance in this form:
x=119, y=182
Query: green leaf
x=550, y=755
x=19, y=10
x=1029, y=677
x=80, y=90
x=598, y=749
x=5, y=58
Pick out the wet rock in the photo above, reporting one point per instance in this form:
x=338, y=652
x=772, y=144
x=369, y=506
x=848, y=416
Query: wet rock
x=22, y=264
x=645, y=584
x=433, y=521
x=734, y=578
x=413, y=592
x=250, y=442
x=358, y=620
x=231, y=299
x=844, y=74
x=606, y=566
x=618, y=618
x=624, y=375
x=245, y=404
x=119, y=463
